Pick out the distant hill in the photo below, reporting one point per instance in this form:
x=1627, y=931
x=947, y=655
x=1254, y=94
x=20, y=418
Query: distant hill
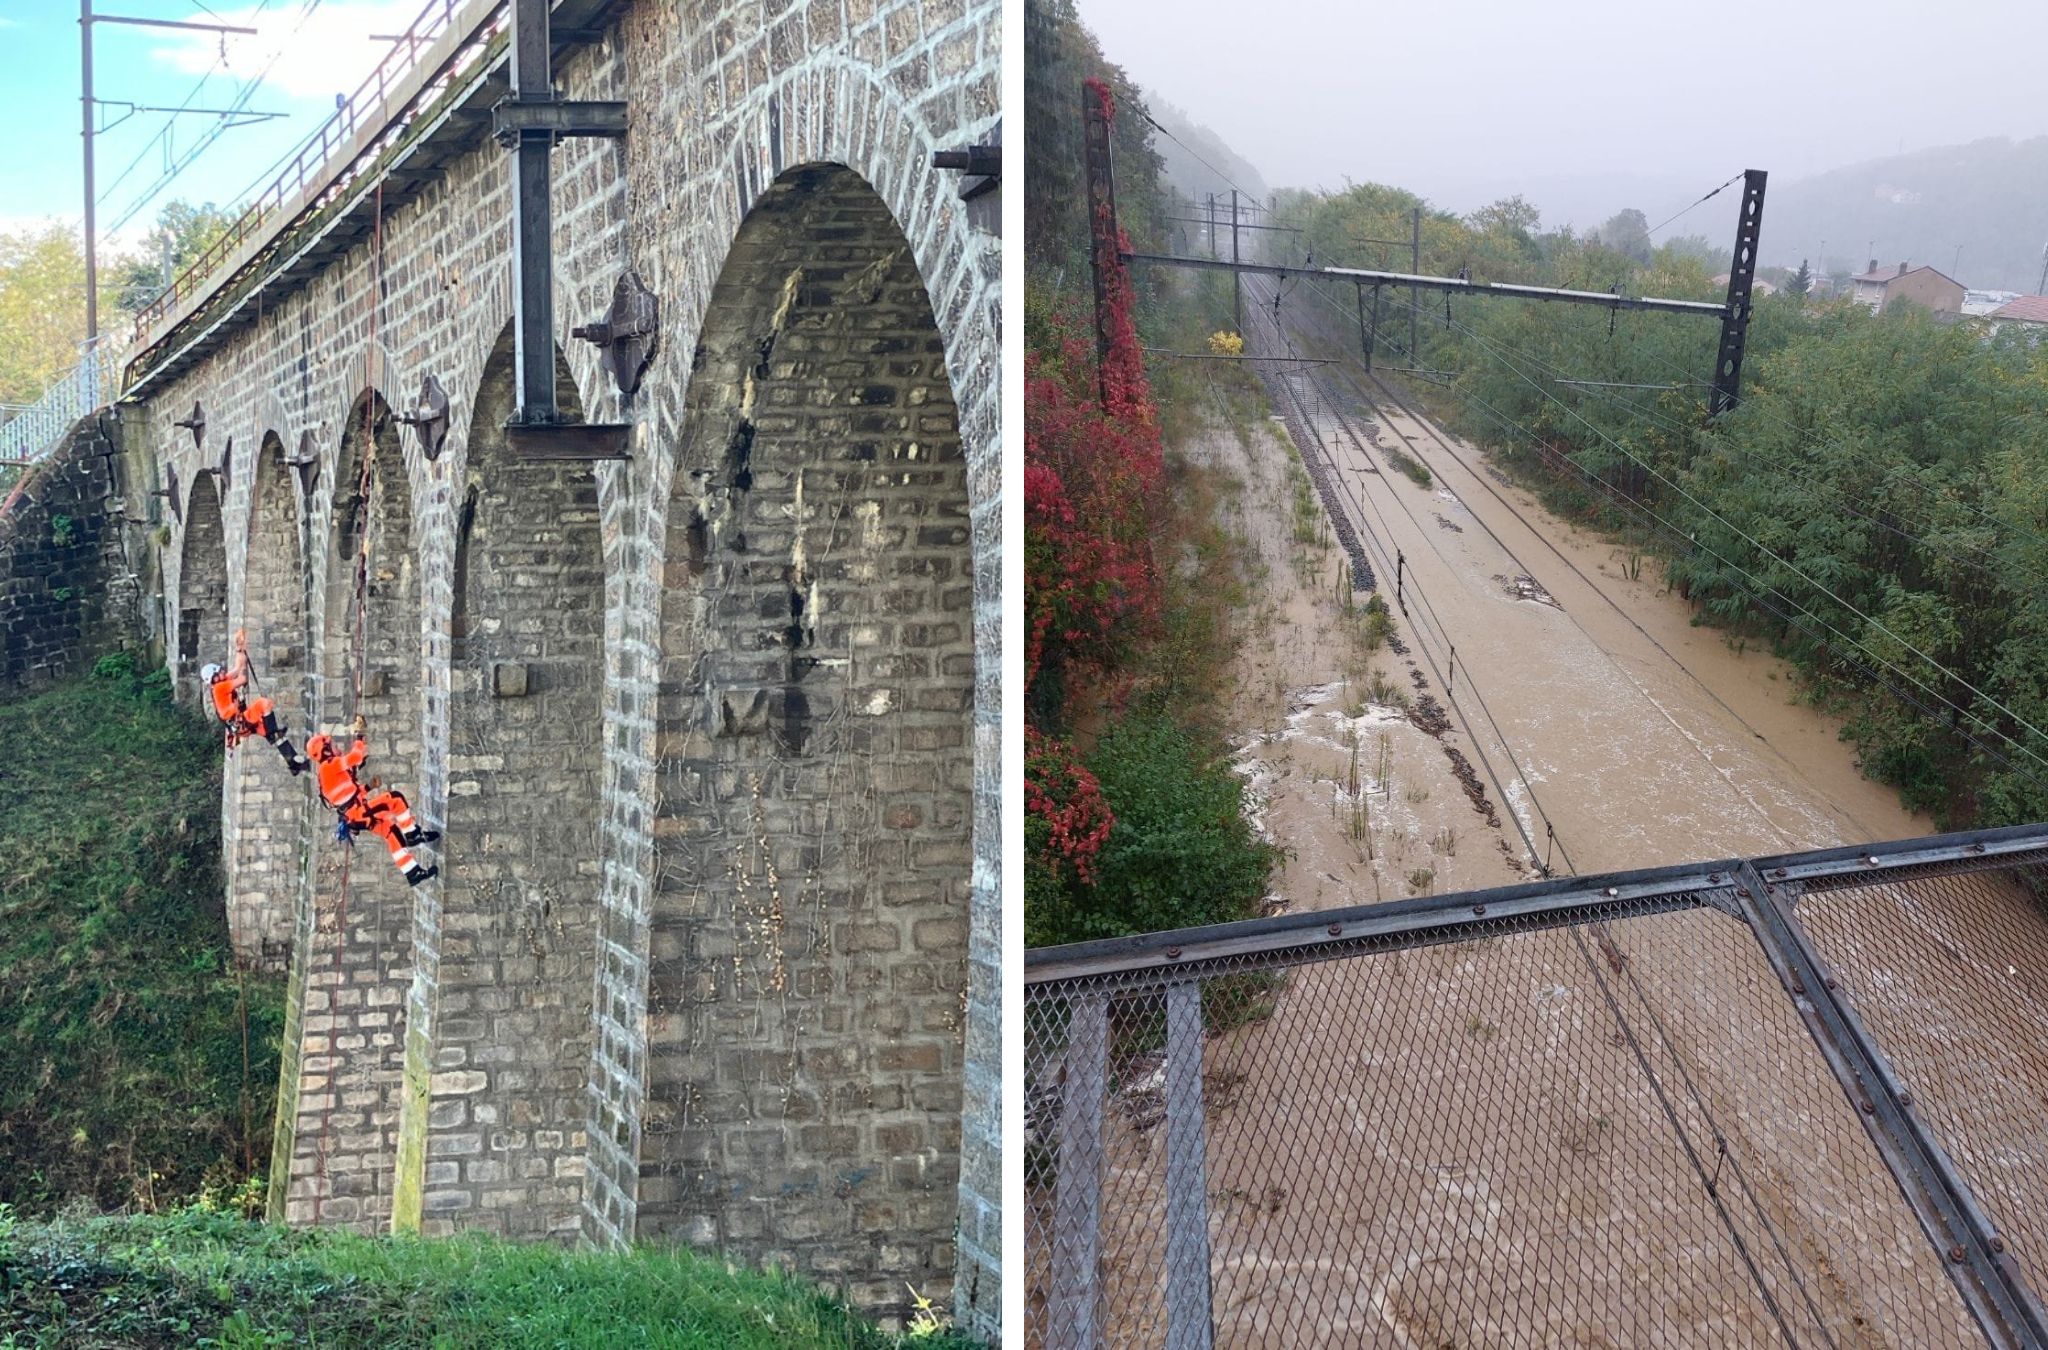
x=1990, y=196
x=1194, y=179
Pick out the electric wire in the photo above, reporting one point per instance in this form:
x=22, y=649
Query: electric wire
x=1698, y=202
x=1662, y=1032
x=213, y=133
x=1839, y=499
x=1620, y=1015
x=1761, y=594
x=1862, y=659
x=1819, y=586
x=1154, y=123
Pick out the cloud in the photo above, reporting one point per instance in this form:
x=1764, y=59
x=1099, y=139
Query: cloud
x=314, y=56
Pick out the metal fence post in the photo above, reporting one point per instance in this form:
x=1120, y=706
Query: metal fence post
x=1077, y=1198
x=1190, y=1315
x=1933, y=1190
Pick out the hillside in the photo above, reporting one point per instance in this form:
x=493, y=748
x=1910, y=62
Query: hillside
x=138, y=1065
x=1990, y=196
x=199, y=1278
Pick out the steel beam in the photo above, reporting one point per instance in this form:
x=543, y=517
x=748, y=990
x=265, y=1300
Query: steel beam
x=1449, y=285
x=576, y=441
x=1735, y=317
x=1076, y=1276
x=512, y=119
x=1100, y=204
x=1278, y=229
x=1938, y=1196
x=1538, y=903
x=1190, y=1297
x=533, y=270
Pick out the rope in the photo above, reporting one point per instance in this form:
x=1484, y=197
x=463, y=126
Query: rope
x=360, y=594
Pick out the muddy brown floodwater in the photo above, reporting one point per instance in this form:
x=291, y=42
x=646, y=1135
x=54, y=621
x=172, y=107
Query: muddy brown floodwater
x=1486, y=1144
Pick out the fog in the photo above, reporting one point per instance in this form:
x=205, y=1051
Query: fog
x=1583, y=106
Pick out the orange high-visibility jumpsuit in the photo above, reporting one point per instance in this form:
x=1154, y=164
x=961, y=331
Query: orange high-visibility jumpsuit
x=384, y=812
x=244, y=717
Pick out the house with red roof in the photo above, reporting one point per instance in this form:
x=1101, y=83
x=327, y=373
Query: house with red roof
x=2029, y=310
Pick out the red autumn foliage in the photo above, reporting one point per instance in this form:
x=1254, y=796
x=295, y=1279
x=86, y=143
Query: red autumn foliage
x=1093, y=466
x=1061, y=792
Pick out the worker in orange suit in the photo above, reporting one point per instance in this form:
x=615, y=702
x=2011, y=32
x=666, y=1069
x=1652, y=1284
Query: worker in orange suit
x=382, y=811
x=243, y=716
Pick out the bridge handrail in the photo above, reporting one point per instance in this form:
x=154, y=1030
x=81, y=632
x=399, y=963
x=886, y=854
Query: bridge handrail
x=33, y=429
x=334, y=138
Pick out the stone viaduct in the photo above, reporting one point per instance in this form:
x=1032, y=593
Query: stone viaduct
x=712, y=728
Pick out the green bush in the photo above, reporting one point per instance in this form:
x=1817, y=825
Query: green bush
x=1181, y=852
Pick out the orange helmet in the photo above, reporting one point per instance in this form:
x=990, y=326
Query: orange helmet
x=320, y=747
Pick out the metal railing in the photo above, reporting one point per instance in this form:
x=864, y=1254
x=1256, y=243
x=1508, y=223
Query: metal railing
x=1791, y=1100
x=317, y=160
x=32, y=430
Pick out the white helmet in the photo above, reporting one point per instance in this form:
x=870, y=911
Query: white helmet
x=209, y=672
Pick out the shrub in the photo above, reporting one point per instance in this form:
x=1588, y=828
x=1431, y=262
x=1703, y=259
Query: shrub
x=1181, y=852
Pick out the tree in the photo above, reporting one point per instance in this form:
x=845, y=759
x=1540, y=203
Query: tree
x=183, y=232
x=1510, y=215
x=42, y=307
x=1800, y=282
x=1627, y=233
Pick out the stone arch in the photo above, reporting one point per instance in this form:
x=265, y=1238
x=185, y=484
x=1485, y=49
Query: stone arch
x=266, y=802
x=202, y=587
x=518, y=904
x=815, y=763
x=359, y=960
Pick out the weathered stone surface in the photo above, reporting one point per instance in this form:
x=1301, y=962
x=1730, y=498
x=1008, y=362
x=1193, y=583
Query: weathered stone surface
x=713, y=953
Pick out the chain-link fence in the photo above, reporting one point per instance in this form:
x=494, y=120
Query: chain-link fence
x=29, y=431
x=1633, y=1110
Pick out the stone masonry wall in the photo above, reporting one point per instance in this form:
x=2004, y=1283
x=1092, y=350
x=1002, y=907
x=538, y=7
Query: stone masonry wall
x=810, y=912
x=359, y=966
x=202, y=589
x=507, y=1128
x=723, y=99
x=67, y=594
x=266, y=819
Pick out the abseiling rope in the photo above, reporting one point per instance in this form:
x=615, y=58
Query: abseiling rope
x=360, y=593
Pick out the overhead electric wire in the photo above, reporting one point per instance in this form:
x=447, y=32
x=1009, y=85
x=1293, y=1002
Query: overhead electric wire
x=1841, y=499
x=1817, y=585
x=1785, y=423
x=212, y=134
x=1761, y=592
x=1154, y=122
x=1623, y=1022
x=170, y=120
x=1621, y=1017
x=1709, y=197
x=1509, y=506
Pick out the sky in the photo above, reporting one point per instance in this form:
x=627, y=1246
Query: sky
x=1583, y=106
x=307, y=52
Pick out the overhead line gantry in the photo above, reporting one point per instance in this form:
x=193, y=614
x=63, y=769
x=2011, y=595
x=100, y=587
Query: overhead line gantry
x=1734, y=312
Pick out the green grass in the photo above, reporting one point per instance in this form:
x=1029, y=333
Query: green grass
x=137, y=1065
x=197, y=1278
